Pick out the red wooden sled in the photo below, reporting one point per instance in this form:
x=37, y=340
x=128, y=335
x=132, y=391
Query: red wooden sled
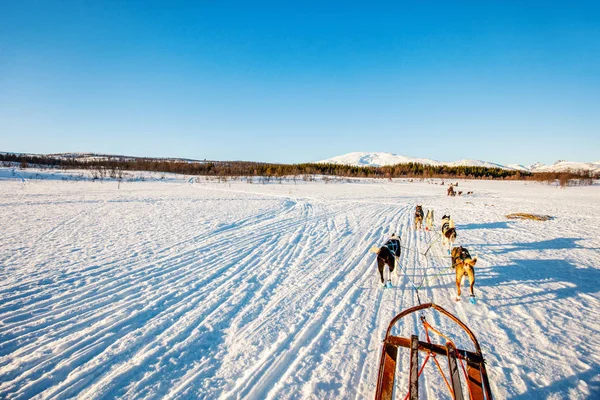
x=475, y=374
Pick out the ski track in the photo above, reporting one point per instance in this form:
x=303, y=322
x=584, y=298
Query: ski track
x=203, y=290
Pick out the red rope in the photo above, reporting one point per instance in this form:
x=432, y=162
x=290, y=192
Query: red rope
x=432, y=355
x=419, y=374
x=427, y=327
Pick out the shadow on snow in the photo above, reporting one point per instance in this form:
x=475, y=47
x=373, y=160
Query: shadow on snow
x=551, y=244
x=486, y=225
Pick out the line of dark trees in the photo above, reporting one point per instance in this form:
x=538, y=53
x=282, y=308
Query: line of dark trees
x=245, y=168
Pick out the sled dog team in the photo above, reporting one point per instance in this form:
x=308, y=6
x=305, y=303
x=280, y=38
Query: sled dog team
x=462, y=262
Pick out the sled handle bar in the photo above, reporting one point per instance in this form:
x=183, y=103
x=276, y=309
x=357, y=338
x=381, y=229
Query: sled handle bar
x=440, y=310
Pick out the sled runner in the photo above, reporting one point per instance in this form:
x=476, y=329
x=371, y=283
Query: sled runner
x=470, y=363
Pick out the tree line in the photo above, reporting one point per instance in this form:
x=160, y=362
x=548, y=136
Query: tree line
x=246, y=168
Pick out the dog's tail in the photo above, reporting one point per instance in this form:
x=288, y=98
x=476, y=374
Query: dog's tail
x=375, y=249
x=468, y=268
x=451, y=223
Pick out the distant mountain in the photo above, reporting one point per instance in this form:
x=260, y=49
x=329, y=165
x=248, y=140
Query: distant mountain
x=90, y=157
x=519, y=167
x=566, y=166
x=103, y=157
x=475, y=163
x=379, y=159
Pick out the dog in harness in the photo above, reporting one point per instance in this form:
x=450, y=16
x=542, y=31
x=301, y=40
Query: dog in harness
x=464, y=265
x=429, y=220
x=419, y=217
x=448, y=232
x=387, y=255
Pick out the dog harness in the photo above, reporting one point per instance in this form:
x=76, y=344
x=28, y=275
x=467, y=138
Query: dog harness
x=393, y=245
x=464, y=254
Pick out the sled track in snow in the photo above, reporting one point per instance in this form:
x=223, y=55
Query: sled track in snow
x=260, y=291
x=132, y=311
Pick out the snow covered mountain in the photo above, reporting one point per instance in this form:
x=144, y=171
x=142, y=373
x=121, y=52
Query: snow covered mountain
x=519, y=167
x=475, y=163
x=379, y=159
x=566, y=166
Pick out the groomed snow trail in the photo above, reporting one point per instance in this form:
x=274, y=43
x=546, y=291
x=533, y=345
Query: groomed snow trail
x=178, y=290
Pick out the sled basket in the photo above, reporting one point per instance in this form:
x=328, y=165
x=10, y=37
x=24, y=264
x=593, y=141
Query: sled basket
x=475, y=374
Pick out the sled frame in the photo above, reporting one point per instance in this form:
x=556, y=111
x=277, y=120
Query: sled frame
x=475, y=373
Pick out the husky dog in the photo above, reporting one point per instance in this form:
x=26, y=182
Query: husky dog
x=429, y=220
x=387, y=254
x=419, y=217
x=448, y=232
x=464, y=265
x=451, y=191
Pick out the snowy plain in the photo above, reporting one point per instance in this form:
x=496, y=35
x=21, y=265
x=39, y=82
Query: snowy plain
x=181, y=289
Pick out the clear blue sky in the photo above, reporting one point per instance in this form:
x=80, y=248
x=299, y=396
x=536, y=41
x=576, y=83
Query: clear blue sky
x=506, y=81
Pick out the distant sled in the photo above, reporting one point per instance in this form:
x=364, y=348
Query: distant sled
x=470, y=364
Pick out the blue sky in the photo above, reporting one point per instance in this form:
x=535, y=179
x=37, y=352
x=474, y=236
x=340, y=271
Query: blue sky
x=505, y=81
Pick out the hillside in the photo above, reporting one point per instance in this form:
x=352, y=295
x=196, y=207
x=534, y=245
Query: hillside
x=380, y=159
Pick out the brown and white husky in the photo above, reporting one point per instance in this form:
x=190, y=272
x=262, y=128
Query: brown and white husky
x=464, y=265
x=419, y=217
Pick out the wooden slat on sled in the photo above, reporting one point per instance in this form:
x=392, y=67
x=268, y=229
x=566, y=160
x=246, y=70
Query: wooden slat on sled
x=474, y=373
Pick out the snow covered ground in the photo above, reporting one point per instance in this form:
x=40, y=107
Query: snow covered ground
x=233, y=290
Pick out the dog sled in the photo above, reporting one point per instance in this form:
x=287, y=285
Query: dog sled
x=470, y=363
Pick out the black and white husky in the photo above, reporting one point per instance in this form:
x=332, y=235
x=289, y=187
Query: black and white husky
x=448, y=232
x=387, y=255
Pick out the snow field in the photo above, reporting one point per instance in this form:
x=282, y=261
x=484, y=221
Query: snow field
x=205, y=290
